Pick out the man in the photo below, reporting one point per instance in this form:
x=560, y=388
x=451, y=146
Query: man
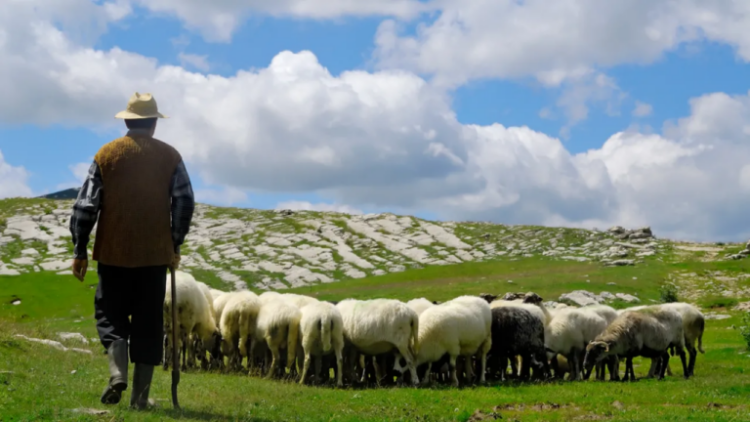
x=135, y=186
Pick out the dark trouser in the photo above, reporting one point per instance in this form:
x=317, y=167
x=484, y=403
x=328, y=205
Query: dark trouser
x=137, y=293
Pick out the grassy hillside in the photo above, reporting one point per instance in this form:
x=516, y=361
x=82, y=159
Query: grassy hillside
x=55, y=303
x=40, y=382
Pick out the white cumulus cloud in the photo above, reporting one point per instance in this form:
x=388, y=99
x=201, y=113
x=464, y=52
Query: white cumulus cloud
x=390, y=139
x=556, y=40
x=642, y=109
x=13, y=180
x=217, y=20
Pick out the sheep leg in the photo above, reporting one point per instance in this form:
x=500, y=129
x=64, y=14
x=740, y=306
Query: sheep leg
x=410, y=363
x=275, y=357
x=378, y=370
x=629, y=373
x=525, y=367
x=693, y=354
x=305, y=368
x=572, y=358
x=483, y=361
x=454, y=376
x=503, y=367
x=614, y=370
x=685, y=368
x=318, y=363
x=251, y=364
x=339, y=367
x=427, y=380
x=183, y=348
x=555, y=367
x=663, y=365
x=513, y=366
x=469, y=370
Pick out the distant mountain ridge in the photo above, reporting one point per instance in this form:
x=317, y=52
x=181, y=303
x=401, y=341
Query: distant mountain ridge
x=71, y=193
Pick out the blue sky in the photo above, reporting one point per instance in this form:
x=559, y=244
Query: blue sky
x=667, y=85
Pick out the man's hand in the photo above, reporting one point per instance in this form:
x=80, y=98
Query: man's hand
x=176, y=262
x=79, y=268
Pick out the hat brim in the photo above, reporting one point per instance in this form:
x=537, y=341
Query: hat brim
x=131, y=116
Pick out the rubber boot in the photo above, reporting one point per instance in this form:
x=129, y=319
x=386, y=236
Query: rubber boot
x=141, y=385
x=118, y=372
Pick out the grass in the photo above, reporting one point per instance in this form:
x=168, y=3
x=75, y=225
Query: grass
x=37, y=382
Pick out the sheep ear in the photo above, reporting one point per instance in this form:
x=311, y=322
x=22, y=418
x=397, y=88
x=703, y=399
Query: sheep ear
x=606, y=347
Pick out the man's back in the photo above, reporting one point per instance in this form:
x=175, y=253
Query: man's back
x=135, y=224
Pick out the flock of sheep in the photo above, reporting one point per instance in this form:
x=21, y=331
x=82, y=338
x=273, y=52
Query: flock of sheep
x=386, y=341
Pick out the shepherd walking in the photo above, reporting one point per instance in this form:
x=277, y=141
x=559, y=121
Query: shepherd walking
x=140, y=192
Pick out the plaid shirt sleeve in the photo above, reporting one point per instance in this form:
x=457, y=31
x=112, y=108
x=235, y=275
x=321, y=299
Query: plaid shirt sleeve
x=86, y=211
x=183, y=205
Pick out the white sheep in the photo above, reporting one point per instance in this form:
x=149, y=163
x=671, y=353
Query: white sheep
x=321, y=333
x=604, y=311
x=238, y=321
x=277, y=326
x=568, y=334
x=215, y=293
x=694, y=323
x=459, y=327
x=207, y=293
x=419, y=305
x=300, y=301
x=195, y=319
x=378, y=326
x=219, y=303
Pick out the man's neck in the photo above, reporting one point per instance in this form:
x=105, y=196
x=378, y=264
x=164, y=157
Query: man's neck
x=142, y=132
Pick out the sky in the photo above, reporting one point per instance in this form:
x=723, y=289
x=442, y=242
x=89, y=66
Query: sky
x=575, y=113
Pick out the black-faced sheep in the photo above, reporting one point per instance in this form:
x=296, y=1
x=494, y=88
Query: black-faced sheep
x=631, y=334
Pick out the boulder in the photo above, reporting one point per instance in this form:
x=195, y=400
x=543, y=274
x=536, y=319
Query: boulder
x=580, y=298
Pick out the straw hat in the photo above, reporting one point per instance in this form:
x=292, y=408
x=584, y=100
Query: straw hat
x=140, y=106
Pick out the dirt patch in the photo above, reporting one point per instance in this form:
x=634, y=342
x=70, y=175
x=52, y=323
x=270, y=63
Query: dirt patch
x=539, y=407
x=479, y=416
x=719, y=406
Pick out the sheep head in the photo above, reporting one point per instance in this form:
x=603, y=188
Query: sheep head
x=596, y=351
x=513, y=296
x=486, y=296
x=532, y=298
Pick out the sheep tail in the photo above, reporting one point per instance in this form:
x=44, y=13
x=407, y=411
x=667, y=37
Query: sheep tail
x=700, y=336
x=291, y=342
x=414, y=344
x=326, y=326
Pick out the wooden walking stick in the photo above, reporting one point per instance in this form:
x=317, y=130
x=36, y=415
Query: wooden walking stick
x=175, y=362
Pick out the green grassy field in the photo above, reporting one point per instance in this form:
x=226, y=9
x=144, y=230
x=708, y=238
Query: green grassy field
x=38, y=382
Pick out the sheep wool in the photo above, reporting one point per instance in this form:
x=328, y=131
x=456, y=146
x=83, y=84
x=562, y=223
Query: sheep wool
x=322, y=333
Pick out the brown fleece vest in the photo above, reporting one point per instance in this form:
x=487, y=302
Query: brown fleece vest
x=134, y=228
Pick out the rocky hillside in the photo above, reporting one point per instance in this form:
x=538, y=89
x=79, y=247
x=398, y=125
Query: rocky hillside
x=283, y=249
